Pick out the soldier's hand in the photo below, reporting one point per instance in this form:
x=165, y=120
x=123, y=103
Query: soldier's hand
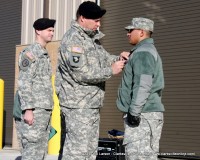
x=117, y=67
x=133, y=121
x=28, y=116
x=124, y=55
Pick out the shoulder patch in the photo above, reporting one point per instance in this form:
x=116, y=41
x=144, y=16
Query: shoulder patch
x=26, y=60
x=77, y=49
x=76, y=55
x=25, y=63
x=30, y=56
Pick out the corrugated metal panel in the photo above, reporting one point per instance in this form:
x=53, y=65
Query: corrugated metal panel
x=177, y=39
x=31, y=10
x=63, y=11
x=10, y=28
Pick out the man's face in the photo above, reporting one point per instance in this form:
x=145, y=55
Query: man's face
x=134, y=36
x=92, y=24
x=47, y=34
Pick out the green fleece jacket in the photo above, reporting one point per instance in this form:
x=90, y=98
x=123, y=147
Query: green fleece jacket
x=142, y=81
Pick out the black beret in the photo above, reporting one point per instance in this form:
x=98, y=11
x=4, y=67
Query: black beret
x=90, y=10
x=43, y=23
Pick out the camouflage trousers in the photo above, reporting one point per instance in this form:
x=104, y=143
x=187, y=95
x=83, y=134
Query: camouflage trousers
x=142, y=142
x=82, y=134
x=33, y=139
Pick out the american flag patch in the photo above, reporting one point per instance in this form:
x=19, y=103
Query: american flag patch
x=77, y=49
x=30, y=55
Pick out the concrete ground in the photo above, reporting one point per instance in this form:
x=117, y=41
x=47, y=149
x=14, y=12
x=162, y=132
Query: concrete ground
x=8, y=153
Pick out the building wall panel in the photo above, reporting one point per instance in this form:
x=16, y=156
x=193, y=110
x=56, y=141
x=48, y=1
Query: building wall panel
x=10, y=31
x=177, y=39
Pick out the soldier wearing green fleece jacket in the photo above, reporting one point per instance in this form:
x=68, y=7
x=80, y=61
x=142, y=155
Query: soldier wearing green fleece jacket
x=139, y=95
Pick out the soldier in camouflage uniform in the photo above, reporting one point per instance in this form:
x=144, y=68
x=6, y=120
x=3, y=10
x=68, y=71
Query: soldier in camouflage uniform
x=35, y=93
x=139, y=95
x=83, y=67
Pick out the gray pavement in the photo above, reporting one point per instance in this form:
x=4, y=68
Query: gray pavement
x=8, y=153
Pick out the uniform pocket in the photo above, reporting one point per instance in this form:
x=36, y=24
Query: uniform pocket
x=39, y=129
x=133, y=134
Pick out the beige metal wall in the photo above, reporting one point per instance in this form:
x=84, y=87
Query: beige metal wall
x=61, y=10
x=31, y=10
x=177, y=39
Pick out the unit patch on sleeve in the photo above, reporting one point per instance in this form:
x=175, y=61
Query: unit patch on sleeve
x=76, y=59
x=26, y=60
x=76, y=55
x=25, y=63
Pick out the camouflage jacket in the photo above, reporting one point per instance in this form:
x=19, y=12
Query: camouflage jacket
x=34, y=82
x=83, y=67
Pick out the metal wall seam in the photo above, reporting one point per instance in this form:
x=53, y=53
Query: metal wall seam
x=63, y=11
x=31, y=10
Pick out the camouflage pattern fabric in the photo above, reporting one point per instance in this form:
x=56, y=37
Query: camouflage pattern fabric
x=82, y=132
x=34, y=81
x=34, y=138
x=83, y=67
x=141, y=23
x=35, y=92
x=142, y=142
x=17, y=126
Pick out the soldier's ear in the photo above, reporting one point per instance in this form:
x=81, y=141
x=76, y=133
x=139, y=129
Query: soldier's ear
x=142, y=33
x=82, y=18
x=38, y=32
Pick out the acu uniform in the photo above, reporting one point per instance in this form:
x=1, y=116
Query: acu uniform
x=83, y=67
x=140, y=95
x=34, y=92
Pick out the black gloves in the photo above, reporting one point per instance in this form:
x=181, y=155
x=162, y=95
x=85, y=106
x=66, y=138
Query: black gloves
x=133, y=121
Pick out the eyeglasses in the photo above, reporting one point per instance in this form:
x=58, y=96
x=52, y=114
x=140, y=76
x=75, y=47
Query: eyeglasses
x=129, y=30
